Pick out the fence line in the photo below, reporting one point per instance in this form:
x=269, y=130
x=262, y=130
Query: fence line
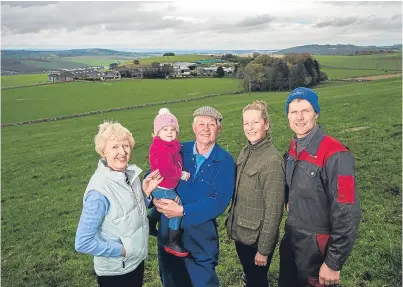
x=358, y=68
x=58, y=118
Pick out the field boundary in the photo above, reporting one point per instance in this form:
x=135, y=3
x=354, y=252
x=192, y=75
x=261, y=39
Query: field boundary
x=32, y=85
x=66, y=117
x=358, y=68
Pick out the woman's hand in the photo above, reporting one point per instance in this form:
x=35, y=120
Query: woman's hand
x=168, y=207
x=123, y=251
x=151, y=182
x=260, y=260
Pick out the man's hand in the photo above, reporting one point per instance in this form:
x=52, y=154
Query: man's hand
x=151, y=182
x=123, y=251
x=328, y=276
x=260, y=260
x=168, y=207
x=185, y=175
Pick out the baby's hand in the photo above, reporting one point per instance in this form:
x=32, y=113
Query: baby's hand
x=185, y=175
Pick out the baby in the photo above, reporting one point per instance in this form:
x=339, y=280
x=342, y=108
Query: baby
x=165, y=156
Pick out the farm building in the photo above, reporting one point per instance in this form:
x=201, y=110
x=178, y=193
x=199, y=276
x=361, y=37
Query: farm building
x=112, y=75
x=53, y=77
x=60, y=77
x=183, y=68
x=66, y=76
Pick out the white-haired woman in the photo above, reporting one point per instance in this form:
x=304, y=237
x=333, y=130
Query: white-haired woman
x=113, y=226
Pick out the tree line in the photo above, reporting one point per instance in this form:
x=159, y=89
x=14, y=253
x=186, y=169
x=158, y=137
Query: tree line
x=268, y=73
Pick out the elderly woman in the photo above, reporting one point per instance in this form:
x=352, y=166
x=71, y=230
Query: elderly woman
x=113, y=226
x=257, y=206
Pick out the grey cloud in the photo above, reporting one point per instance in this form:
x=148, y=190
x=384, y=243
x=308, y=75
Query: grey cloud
x=26, y=4
x=362, y=3
x=247, y=24
x=341, y=22
x=147, y=25
x=71, y=16
x=254, y=21
x=358, y=23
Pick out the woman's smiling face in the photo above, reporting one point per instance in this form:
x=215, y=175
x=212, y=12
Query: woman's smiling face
x=117, y=154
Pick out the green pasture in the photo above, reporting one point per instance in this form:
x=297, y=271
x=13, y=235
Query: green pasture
x=78, y=97
x=46, y=167
x=94, y=61
x=389, y=62
x=54, y=64
x=22, y=80
x=333, y=73
x=173, y=59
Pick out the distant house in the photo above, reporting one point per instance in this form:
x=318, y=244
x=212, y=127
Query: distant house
x=53, y=77
x=66, y=77
x=137, y=73
x=96, y=75
x=183, y=68
x=63, y=76
x=112, y=75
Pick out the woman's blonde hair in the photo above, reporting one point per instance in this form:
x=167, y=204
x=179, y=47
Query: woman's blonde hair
x=109, y=130
x=258, y=106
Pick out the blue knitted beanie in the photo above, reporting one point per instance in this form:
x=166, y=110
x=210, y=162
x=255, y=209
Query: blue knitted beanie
x=306, y=94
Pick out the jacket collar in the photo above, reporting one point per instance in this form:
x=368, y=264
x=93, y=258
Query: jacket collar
x=215, y=155
x=161, y=143
x=132, y=171
x=314, y=140
x=261, y=144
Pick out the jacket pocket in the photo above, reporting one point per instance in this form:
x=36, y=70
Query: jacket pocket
x=248, y=223
x=322, y=242
x=308, y=180
x=308, y=257
x=248, y=230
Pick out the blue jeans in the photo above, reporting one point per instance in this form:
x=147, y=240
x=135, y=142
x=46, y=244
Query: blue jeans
x=174, y=222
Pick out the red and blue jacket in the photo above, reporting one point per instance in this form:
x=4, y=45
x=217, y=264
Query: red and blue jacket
x=324, y=210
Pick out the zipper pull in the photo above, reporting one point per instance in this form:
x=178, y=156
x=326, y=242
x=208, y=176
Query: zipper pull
x=123, y=264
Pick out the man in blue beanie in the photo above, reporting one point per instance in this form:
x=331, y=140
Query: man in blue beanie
x=322, y=200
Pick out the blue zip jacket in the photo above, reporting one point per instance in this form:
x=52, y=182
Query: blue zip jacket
x=205, y=196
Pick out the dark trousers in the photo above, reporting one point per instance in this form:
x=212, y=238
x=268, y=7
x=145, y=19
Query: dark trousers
x=172, y=269
x=288, y=269
x=131, y=279
x=256, y=276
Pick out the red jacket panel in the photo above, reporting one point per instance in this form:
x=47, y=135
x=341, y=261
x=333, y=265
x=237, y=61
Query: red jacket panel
x=166, y=157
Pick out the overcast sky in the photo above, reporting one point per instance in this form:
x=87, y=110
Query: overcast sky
x=198, y=24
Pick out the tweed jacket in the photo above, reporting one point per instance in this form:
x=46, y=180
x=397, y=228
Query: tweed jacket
x=257, y=205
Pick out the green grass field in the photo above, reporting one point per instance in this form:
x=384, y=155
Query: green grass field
x=54, y=64
x=341, y=67
x=95, y=61
x=388, y=62
x=344, y=74
x=46, y=167
x=77, y=97
x=22, y=80
x=173, y=59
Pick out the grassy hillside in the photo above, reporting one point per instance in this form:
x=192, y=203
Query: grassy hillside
x=353, y=73
x=381, y=61
x=338, y=49
x=173, y=59
x=339, y=67
x=69, y=98
x=96, y=61
x=22, y=80
x=45, y=169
